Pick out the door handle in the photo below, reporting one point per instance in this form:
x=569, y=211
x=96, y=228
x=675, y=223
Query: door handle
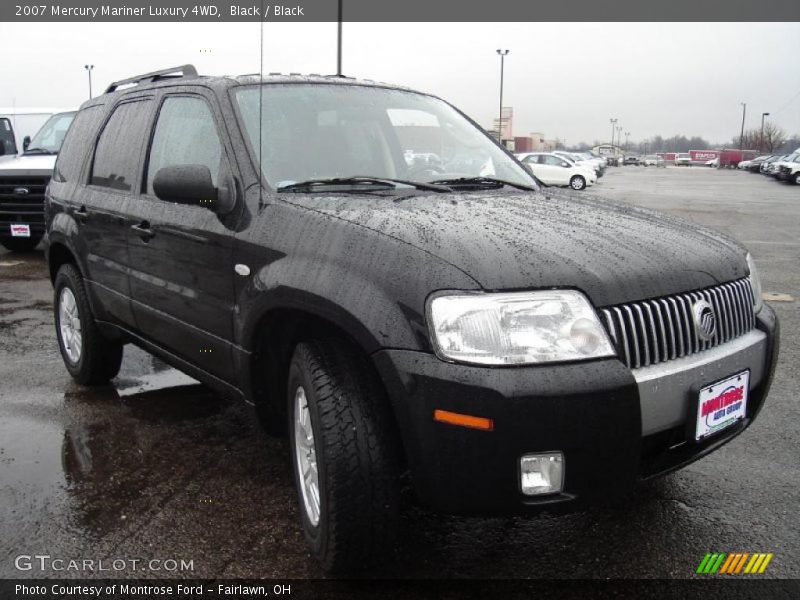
x=143, y=230
x=81, y=214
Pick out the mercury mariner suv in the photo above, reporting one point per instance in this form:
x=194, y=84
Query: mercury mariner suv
x=446, y=322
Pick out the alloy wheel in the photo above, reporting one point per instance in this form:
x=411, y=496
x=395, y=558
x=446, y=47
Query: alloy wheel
x=306, y=456
x=69, y=325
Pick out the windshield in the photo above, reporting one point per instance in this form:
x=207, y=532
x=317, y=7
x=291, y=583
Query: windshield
x=7, y=143
x=51, y=135
x=682, y=155
x=312, y=132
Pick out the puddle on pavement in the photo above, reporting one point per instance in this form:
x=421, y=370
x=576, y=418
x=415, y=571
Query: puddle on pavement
x=97, y=451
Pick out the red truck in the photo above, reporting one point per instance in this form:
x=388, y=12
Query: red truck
x=730, y=159
x=703, y=156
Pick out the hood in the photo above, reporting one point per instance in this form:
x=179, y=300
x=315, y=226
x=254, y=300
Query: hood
x=33, y=164
x=613, y=252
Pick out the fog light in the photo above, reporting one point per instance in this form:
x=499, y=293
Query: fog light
x=542, y=473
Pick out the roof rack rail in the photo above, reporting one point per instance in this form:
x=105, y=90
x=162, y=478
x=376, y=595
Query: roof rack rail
x=174, y=72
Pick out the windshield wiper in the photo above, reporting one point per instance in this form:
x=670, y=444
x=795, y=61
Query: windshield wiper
x=490, y=182
x=39, y=151
x=375, y=183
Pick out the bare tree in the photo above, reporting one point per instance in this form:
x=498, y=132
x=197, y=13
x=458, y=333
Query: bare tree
x=774, y=137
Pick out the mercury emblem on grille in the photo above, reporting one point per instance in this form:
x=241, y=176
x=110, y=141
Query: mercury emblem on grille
x=705, y=321
x=21, y=191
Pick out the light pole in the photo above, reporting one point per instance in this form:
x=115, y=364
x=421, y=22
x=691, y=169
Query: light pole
x=741, y=135
x=339, y=42
x=502, y=54
x=613, y=126
x=89, y=71
x=619, y=137
x=761, y=137
x=627, y=135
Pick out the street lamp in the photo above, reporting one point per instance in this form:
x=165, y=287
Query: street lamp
x=89, y=71
x=627, y=135
x=761, y=137
x=613, y=125
x=741, y=136
x=502, y=54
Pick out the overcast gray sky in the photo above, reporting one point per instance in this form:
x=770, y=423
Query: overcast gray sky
x=565, y=80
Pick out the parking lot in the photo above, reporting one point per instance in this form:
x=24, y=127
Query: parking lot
x=157, y=467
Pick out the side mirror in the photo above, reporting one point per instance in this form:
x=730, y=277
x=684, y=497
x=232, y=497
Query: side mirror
x=26, y=141
x=565, y=164
x=191, y=184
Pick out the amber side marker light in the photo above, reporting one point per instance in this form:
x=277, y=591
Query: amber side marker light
x=445, y=416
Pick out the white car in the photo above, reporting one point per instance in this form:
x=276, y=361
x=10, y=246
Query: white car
x=683, y=159
x=652, y=160
x=743, y=164
x=552, y=169
x=588, y=163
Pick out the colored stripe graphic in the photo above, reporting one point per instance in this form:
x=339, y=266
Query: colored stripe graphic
x=717, y=564
x=732, y=563
x=726, y=566
x=703, y=563
x=741, y=562
x=766, y=562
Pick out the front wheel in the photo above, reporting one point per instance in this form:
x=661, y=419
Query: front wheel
x=20, y=244
x=577, y=182
x=797, y=178
x=345, y=455
x=88, y=356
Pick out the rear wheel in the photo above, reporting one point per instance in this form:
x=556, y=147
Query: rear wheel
x=89, y=357
x=578, y=182
x=345, y=455
x=797, y=178
x=20, y=244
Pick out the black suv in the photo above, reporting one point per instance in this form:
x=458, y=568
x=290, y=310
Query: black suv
x=385, y=282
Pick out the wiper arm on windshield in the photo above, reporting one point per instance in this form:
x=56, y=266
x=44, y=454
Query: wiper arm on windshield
x=482, y=181
x=38, y=151
x=374, y=183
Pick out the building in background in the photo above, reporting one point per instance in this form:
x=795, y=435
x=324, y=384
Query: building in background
x=505, y=126
x=608, y=150
x=535, y=142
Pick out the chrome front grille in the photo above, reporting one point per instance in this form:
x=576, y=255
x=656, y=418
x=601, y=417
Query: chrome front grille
x=653, y=331
x=18, y=206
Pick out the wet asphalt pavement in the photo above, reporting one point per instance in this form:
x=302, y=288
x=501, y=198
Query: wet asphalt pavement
x=157, y=467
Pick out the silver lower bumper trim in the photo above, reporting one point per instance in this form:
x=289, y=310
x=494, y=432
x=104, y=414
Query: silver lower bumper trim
x=665, y=389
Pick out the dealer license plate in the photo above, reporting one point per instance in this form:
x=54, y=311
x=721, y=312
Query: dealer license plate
x=20, y=230
x=721, y=404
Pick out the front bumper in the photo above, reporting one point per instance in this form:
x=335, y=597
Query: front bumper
x=615, y=426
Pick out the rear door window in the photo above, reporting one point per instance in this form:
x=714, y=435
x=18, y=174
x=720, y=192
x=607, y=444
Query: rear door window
x=118, y=151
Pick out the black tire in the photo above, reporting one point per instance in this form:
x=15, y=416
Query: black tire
x=797, y=178
x=357, y=455
x=577, y=182
x=99, y=358
x=20, y=244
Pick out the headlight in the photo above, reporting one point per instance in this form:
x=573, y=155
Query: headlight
x=516, y=328
x=755, y=283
